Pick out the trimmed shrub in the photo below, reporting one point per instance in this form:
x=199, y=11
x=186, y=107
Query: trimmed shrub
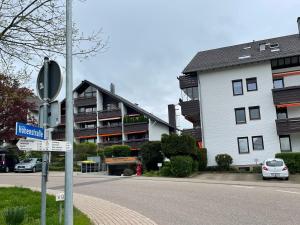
x=291, y=159
x=256, y=169
x=174, y=144
x=120, y=150
x=151, y=155
x=108, y=152
x=224, y=161
x=202, y=158
x=83, y=150
x=195, y=166
x=128, y=172
x=181, y=166
x=14, y=216
x=166, y=171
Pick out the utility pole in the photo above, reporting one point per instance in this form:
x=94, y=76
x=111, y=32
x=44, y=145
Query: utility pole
x=69, y=119
x=45, y=154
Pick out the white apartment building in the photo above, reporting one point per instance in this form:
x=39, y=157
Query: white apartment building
x=246, y=98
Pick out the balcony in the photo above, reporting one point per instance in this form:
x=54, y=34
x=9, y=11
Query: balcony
x=108, y=114
x=85, y=117
x=135, y=127
x=188, y=81
x=109, y=143
x=286, y=95
x=288, y=126
x=136, y=143
x=85, y=101
x=85, y=132
x=190, y=110
x=108, y=130
x=58, y=135
x=194, y=132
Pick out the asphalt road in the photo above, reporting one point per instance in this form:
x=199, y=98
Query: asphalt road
x=187, y=201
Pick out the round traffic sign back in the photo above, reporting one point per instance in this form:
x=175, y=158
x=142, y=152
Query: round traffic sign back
x=54, y=81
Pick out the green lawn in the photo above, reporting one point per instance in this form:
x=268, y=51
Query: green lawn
x=31, y=201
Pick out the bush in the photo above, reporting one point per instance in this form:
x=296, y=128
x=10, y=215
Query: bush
x=195, y=165
x=83, y=150
x=151, y=173
x=166, y=171
x=181, y=166
x=121, y=150
x=108, y=152
x=14, y=216
x=256, y=169
x=128, y=172
x=202, y=158
x=151, y=155
x=224, y=161
x=291, y=159
x=173, y=145
x=135, y=119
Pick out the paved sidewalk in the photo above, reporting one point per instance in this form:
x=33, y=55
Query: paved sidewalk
x=103, y=212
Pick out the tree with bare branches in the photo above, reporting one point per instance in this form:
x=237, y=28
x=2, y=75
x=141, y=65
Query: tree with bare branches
x=33, y=29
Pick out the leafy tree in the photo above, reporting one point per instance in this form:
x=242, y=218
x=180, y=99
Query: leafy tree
x=33, y=29
x=83, y=150
x=174, y=144
x=15, y=106
x=151, y=155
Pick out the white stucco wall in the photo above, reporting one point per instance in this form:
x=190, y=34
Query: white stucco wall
x=218, y=115
x=156, y=130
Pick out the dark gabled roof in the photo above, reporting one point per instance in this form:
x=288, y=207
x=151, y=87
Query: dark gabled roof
x=229, y=56
x=126, y=102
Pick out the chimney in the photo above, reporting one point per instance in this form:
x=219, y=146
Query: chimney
x=112, y=88
x=172, y=115
x=298, y=21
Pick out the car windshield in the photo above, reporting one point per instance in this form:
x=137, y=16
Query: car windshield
x=27, y=160
x=274, y=163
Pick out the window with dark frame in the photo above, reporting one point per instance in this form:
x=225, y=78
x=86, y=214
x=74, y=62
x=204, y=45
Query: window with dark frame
x=237, y=87
x=257, y=143
x=240, y=115
x=278, y=83
x=251, y=84
x=281, y=113
x=243, y=145
x=285, y=143
x=254, y=113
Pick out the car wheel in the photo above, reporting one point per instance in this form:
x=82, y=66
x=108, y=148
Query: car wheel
x=264, y=178
x=6, y=169
x=287, y=178
x=33, y=170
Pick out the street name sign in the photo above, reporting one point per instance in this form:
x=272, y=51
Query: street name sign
x=43, y=146
x=26, y=130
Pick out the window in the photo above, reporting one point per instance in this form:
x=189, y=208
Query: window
x=240, y=115
x=189, y=94
x=285, y=143
x=278, y=83
x=237, y=87
x=281, y=113
x=251, y=84
x=243, y=145
x=254, y=113
x=257, y=143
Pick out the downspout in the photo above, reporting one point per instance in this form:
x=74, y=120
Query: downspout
x=201, y=113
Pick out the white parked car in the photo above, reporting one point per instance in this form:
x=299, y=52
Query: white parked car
x=274, y=168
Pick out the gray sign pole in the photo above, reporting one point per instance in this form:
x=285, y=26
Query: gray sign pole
x=45, y=154
x=69, y=119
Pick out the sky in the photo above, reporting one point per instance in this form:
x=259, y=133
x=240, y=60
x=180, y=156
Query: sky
x=151, y=42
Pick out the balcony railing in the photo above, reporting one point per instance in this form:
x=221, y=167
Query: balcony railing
x=85, y=117
x=110, y=129
x=136, y=143
x=108, y=143
x=112, y=113
x=135, y=127
x=190, y=110
x=286, y=95
x=83, y=132
x=194, y=132
x=85, y=101
x=188, y=81
x=288, y=126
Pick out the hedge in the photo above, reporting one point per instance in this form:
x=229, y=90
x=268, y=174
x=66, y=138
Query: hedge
x=173, y=145
x=202, y=158
x=151, y=155
x=117, y=151
x=166, y=171
x=181, y=166
x=291, y=159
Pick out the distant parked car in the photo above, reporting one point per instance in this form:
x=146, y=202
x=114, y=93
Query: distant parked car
x=29, y=165
x=274, y=168
x=7, y=161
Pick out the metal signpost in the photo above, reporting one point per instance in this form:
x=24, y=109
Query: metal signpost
x=60, y=197
x=69, y=118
